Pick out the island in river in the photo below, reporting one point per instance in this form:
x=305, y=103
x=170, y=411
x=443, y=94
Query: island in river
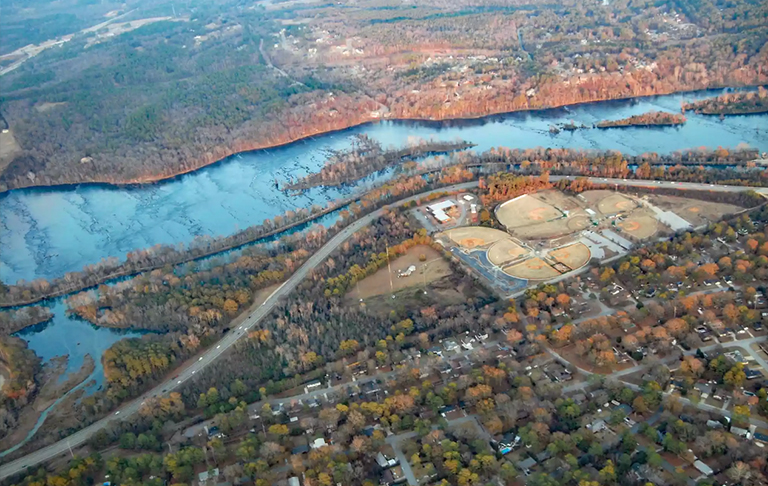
x=650, y=119
x=741, y=103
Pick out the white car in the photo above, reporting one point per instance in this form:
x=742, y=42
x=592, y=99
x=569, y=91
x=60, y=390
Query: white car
x=117, y=413
x=201, y=358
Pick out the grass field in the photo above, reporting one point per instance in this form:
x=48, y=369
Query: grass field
x=474, y=236
x=525, y=211
x=639, y=224
x=695, y=212
x=532, y=269
x=378, y=283
x=504, y=251
x=574, y=256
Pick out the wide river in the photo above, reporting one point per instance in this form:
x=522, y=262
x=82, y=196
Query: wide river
x=47, y=232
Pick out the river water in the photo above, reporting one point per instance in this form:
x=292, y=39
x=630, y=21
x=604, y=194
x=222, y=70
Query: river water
x=48, y=232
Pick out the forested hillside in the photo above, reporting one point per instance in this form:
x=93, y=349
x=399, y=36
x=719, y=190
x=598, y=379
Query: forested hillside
x=168, y=89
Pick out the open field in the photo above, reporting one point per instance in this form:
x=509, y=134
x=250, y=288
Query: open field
x=695, y=212
x=378, y=283
x=505, y=251
x=525, y=211
x=8, y=149
x=574, y=256
x=557, y=199
x=614, y=204
x=474, y=236
x=532, y=269
x=639, y=224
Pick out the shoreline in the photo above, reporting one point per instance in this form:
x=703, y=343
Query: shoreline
x=156, y=179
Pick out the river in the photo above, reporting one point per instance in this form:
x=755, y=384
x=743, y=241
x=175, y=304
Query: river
x=48, y=232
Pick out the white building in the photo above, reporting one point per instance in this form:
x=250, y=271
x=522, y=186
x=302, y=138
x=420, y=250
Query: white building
x=438, y=210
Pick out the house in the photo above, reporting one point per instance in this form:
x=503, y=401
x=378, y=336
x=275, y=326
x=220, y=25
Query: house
x=508, y=443
x=714, y=424
x=386, y=458
x=209, y=475
x=438, y=210
x=579, y=398
x=740, y=432
x=302, y=449
x=526, y=465
x=318, y=443
x=704, y=388
x=450, y=345
x=392, y=476
x=294, y=481
x=703, y=468
x=597, y=426
x=752, y=374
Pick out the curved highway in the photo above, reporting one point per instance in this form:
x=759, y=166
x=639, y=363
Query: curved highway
x=192, y=367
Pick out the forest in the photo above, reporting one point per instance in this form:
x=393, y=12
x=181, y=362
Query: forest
x=734, y=167
x=366, y=156
x=650, y=119
x=178, y=94
x=738, y=103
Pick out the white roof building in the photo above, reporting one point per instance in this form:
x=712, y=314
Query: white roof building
x=438, y=210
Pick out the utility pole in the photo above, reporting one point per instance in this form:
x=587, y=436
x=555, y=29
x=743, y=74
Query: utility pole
x=389, y=269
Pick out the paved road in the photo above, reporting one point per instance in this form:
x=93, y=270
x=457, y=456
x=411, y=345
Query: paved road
x=214, y=352
x=286, y=289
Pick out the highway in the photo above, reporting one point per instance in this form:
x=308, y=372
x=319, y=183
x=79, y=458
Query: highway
x=190, y=368
x=215, y=351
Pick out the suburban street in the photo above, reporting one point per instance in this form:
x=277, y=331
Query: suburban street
x=193, y=366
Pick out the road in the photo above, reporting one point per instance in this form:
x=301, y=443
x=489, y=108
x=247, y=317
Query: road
x=212, y=353
x=229, y=339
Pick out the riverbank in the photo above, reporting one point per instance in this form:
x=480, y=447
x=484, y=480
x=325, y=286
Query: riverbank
x=217, y=155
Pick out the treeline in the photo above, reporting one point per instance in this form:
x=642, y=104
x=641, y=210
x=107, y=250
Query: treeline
x=732, y=104
x=504, y=186
x=317, y=324
x=745, y=199
x=365, y=157
x=684, y=166
x=148, y=259
x=20, y=367
x=652, y=118
x=12, y=321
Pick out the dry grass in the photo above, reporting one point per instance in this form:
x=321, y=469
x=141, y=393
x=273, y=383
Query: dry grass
x=378, y=283
x=8, y=149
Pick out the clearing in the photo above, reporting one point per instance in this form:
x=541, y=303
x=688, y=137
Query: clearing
x=694, y=211
x=433, y=268
x=8, y=149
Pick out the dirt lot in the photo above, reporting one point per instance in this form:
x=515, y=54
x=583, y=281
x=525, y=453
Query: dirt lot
x=532, y=269
x=505, y=251
x=639, y=224
x=557, y=199
x=694, y=211
x=525, y=211
x=614, y=204
x=8, y=149
x=446, y=291
x=474, y=236
x=574, y=256
x=378, y=283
